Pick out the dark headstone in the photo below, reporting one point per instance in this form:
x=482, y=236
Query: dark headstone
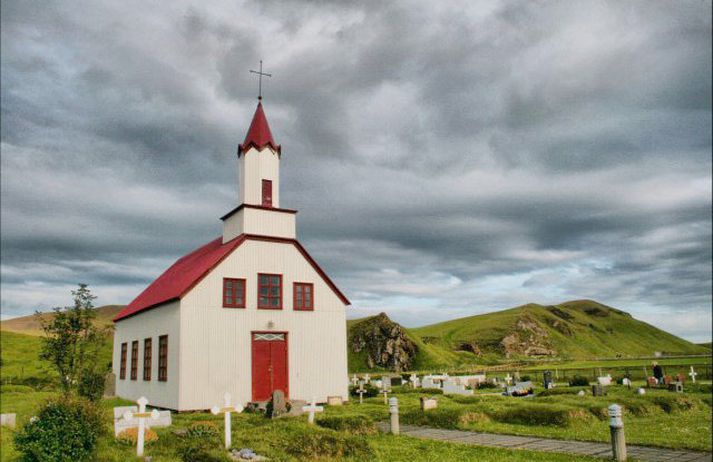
x=676, y=386
x=278, y=405
x=598, y=390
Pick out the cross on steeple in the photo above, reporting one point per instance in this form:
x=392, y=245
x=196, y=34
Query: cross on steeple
x=260, y=73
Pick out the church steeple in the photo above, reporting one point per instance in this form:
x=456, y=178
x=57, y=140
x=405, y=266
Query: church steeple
x=259, y=135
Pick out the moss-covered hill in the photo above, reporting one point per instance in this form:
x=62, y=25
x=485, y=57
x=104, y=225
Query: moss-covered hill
x=582, y=329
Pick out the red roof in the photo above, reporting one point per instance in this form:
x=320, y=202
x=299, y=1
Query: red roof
x=188, y=271
x=259, y=135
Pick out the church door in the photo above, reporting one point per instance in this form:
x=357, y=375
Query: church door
x=269, y=366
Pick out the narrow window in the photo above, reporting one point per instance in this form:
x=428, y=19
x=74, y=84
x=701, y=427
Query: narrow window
x=134, y=359
x=266, y=193
x=122, y=364
x=303, y=296
x=233, y=293
x=147, y=359
x=269, y=289
x=163, y=358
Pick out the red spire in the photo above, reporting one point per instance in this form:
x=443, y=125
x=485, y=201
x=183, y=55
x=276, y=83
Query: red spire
x=259, y=134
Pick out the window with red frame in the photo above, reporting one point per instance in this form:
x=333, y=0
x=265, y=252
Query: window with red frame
x=134, y=359
x=266, y=193
x=233, y=293
x=122, y=364
x=147, y=359
x=304, y=296
x=269, y=289
x=163, y=358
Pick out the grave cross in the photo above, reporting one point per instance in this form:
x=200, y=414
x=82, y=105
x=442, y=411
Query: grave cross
x=355, y=380
x=361, y=392
x=142, y=415
x=693, y=375
x=386, y=395
x=260, y=73
x=226, y=410
x=312, y=408
x=508, y=379
x=413, y=379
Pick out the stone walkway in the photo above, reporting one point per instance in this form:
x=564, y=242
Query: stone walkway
x=533, y=443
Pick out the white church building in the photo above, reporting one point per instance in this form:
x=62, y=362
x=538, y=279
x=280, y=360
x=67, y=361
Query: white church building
x=247, y=313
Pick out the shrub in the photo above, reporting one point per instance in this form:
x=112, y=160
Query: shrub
x=91, y=385
x=579, y=381
x=131, y=435
x=355, y=424
x=525, y=378
x=488, y=385
x=305, y=443
x=439, y=418
x=203, y=430
x=66, y=429
x=200, y=443
x=370, y=391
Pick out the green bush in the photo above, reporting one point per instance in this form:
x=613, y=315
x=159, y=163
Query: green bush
x=203, y=430
x=66, y=429
x=303, y=442
x=91, y=385
x=438, y=418
x=487, y=385
x=525, y=378
x=355, y=424
x=579, y=381
x=370, y=391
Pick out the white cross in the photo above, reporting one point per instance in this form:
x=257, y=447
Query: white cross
x=693, y=375
x=508, y=379
x=142, y=415
x=355, y=380
x=413, y=379
x=312, y=408
x=367, y=377
x=226, y=410
x=361, y=392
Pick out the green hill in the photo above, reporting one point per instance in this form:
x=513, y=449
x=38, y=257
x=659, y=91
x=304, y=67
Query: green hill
x=30, y=325
x=575, y=330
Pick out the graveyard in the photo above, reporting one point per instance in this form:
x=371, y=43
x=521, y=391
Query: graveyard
x=357, y=430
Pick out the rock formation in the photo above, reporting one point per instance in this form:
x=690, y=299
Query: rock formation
x=384, y=342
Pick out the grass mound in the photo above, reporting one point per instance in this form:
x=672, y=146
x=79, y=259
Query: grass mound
x=355, y=424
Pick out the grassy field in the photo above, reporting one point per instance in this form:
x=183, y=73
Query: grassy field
x=280, y=440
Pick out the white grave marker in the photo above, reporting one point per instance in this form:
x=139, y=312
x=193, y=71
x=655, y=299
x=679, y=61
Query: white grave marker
x=361, y=392
x=414, y=381
x=226, y=410
x=141, y=416
x=355, y=380
x=312, y=408
x=508, y=379
x=693, y=375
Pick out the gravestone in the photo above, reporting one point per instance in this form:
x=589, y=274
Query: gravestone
x=598, y=390
x=520, y=389
x=279, y=405
x=676, y=387
x=110, y=385
x=428, y=403
x=693, y=375
x=580, y=393
x=334, y=401
x=121, y=424
x=429, y=382
x=8, y=420
x=652, y=382
x=452, y=387
x=604, y=381
x=312, y=408
x=640, y=391
x=626, y=382
x=414, y=381
x=547, y=379
x=355, y=380
x=386, y=383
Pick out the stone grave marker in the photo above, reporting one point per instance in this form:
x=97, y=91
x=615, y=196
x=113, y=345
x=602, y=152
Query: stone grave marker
x=141, y=416
x=547, y=379
x=598, y=390
x=110, y=385
x=604, y=381
x=626, y=382
x=693, y=375
x=361, y=392
x=508, y=379
x=279, y=405
x=676, y=387
x=414, y=381
x=334, y=401
x=8, y=420
x=428, y=403
x=452, y=387
x=640, y=391
x=312, y=408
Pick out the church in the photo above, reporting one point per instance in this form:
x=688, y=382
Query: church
x=248, y=313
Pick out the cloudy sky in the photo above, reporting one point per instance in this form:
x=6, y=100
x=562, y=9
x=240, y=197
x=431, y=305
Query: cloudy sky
x=447, y=158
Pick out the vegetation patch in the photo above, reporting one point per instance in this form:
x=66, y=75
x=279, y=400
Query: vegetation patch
x=355, y=424
x=540, y=414
x=129, y=436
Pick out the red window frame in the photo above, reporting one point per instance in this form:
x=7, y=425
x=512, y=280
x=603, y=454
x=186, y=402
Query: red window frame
x=163, y=358
x=299, y=301
x=147, y=359
x=230, y=292
x=122, y=363
x=265, y=298
x=134, y=359
x=267, y=193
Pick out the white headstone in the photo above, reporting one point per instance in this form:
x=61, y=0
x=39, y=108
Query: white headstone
x=580, y=393
x=641, y=391
x=604, y=381
x=414, y=380
x=626, y=382
x=8, y=420
x=452, y=387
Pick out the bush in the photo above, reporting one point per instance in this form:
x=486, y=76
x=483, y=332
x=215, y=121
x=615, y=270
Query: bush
x=370, y=391
x=66, y=429
x=525, y=378
x=579, y=381
x=304, y=442
x=129, y=436
x=488, y=385
x=203, y=430
x=91, y=385
x=355, y=424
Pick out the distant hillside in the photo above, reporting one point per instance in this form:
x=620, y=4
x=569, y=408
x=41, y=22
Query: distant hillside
x=30, y=325
x=582, y=329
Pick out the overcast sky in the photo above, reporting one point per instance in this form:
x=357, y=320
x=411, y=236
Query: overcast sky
x=447, y=158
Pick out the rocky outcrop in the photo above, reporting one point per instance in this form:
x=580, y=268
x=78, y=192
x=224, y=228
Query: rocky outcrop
x=528, y=339
x=384, y=342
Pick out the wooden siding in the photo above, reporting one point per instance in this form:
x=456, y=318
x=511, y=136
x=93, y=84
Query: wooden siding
x=215, y=350
x=255, y=166
x=163, y=320
x=259, y=221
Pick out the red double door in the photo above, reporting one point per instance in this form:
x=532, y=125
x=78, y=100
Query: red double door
x=269, y=364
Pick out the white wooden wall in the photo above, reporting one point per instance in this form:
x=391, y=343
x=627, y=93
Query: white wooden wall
x=259, y=221
x=255, y=166
x=215, y=352
x=163, y=320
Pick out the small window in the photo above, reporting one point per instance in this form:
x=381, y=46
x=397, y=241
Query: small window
x=269, y=289
x=266, y=193
x=147, y=359
x=163, y=358
x=303, y=296
x=134, y=359
x=122, y=363
x=233, y=293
